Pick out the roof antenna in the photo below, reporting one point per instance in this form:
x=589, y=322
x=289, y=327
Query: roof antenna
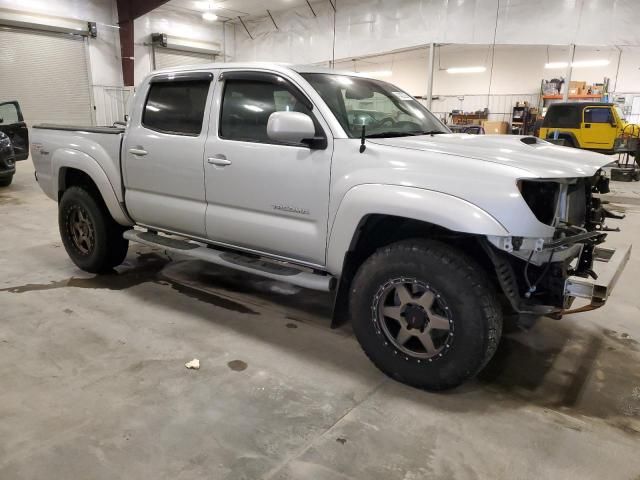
x=363, y=147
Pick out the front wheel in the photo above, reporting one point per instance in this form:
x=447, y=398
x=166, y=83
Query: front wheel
x=92, y=239
x=424, y=314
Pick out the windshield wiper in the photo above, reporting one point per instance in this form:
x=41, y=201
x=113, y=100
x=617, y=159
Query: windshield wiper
x=428, y=132
x=389, y=134
x=403, y=134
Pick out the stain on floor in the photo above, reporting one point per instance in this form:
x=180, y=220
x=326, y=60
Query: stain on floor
x=237, y=365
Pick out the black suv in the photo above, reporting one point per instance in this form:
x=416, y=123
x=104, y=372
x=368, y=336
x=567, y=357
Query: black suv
x=14, y=140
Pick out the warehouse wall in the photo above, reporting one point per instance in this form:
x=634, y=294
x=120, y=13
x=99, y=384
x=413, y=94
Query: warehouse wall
x=517, y=69
x=527, y=34
x=171, y=22
x=364, y=27
x=104, y=50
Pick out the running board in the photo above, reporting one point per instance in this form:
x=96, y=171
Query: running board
x=236, y=261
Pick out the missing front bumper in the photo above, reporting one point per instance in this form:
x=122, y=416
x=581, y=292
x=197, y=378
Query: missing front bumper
x=608, y=265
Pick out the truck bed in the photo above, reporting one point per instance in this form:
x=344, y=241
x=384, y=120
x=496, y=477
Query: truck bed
x=86, y=147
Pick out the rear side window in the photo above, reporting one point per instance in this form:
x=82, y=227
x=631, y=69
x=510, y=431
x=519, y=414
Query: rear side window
x=176, y=107
x=563, y=116
x=247, y=105
x=597, y=115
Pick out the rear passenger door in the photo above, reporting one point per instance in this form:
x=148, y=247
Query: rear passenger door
x=163, y=153
x=598, y=131
x=12, y=123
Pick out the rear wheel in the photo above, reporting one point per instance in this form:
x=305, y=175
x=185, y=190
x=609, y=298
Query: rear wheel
x=6, y=181
x=92, y=239
x=425, y=314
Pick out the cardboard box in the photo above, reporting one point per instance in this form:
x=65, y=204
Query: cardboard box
x=491, y=128
x=576, y=85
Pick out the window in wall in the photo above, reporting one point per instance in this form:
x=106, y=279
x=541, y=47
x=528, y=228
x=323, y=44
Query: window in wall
x=247, y=105
x=176, y=107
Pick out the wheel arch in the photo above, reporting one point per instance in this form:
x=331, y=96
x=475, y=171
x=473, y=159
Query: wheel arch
x=78, y=168
x=433, y=210
x=358, y=232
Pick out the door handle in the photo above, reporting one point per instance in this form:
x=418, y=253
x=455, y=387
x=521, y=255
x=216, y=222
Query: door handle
x=219, y=160
x=587, y=125
x=139, y=152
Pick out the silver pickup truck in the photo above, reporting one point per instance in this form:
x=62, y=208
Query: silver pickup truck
x=341, y=183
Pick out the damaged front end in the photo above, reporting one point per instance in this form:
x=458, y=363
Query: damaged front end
x=544, y=276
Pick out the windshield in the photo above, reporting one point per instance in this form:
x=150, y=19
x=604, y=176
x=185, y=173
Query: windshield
x=384, y=110
x=620, y=113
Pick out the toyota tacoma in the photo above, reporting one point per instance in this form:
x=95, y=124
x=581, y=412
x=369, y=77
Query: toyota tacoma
x=428, y=239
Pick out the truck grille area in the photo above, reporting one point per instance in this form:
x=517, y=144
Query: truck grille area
x=542, y=199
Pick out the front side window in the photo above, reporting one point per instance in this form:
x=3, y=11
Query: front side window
x=176, y=107
x=597, y=115
x=382, y=109
x=247, y=105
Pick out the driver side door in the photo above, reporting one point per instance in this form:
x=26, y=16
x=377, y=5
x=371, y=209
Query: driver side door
x=264, y=196
x=598, y=131
x=13, y=125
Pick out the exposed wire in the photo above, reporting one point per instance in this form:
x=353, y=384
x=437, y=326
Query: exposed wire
x=493, y=51
x=333, y=51
x=532, y=288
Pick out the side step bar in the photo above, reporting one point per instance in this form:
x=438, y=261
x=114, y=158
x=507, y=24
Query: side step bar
x=236, y=261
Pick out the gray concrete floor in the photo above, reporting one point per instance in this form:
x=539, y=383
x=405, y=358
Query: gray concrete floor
x=93, y=383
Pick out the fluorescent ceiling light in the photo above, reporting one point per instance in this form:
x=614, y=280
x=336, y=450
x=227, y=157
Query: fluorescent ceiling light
x=377, y=73
x=578, y=64
x=590, y=63
x=209, y=16
x=556, y=65
x=466, y=69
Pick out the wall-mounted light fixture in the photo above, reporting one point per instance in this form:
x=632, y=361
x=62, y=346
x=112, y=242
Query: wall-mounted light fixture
x=466, y=69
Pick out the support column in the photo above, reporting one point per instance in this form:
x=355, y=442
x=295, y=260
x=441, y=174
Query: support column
x=432, y=48
x=567, y=73
x=128, y=11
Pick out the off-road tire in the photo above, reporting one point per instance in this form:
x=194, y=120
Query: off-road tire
x=475, y=314
x=6, y=181
x=108, y=248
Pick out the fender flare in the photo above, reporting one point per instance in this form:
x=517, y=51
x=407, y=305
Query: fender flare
x=563, y=133
x=69, y=158
x=430, y=206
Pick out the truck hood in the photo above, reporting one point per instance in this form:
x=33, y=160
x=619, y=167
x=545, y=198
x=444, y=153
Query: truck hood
x=537, y=157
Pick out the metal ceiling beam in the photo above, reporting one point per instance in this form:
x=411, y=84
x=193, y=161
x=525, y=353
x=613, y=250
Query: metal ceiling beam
x=128, y=11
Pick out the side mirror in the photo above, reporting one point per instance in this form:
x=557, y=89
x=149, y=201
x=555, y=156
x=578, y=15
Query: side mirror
x=290, y=127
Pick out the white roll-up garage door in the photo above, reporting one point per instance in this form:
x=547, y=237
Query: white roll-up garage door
x=168, y=57
x=47, y=73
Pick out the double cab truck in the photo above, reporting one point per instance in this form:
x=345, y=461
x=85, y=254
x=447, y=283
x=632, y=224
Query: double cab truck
x=595, y=126
x=428, y=239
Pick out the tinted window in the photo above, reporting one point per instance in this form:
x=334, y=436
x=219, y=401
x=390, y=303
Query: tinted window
x=567, y=116
x=597, y=115
x=247, y=105
x=176, y=107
